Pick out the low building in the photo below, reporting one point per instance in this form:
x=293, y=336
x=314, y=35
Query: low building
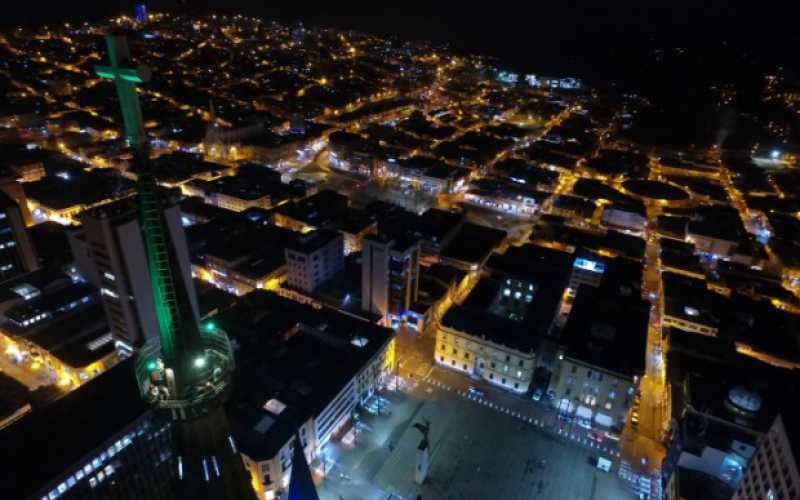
x=716, y=231
x=428, y=174
x=355, y=226
x=631, y=216
x=65, y=331
x=504, y=197
x=242, y=259
x=601, y=357
x=587, y=269
x=689, y=305
x=303, y=371
x=434, y=228
x=472, y=245
x=321, y=210
x=486, y=347
x=494, y=334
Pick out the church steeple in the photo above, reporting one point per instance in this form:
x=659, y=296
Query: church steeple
x=185, y=372
x=301, y=483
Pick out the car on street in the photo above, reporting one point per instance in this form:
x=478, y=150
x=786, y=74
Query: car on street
x=585, y=423
x=474, y=391
x=537, y=394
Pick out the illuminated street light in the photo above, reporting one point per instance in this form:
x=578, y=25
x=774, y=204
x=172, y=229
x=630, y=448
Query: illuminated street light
x=200, y=362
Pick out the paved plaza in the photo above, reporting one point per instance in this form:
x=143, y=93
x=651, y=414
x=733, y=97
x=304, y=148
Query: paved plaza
x=476, y=453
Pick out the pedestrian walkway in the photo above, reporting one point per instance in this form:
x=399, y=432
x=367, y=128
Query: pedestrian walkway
x=567, y=435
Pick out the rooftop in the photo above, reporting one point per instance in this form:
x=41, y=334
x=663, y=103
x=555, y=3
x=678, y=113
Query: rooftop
x=609, y=331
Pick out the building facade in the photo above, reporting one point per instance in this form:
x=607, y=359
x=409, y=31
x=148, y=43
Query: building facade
x=773, y=473
x=591, y=393
x=109, y=252
x=17, y=255
x=314, y=258
x=497, y=364
x=389, y=275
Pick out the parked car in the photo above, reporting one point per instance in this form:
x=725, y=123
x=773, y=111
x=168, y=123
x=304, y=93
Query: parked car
x=595, y=436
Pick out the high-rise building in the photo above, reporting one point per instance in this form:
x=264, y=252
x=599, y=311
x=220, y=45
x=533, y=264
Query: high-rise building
x=109, y=251
x=185, y=373
x=314, y=258
x=17, y=254
x=389, y=274
x=13, y=188
x=774, y=471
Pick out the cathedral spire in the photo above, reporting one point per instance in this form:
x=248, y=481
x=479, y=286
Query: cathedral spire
x=301, y=483
x=184, y=373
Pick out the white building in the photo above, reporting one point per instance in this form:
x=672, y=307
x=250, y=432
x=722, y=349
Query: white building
x=774, y=473
x=109, y=252
x=498, y=364
x=314, y=258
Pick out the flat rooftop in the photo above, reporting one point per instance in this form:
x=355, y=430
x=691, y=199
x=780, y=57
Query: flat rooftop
x=607, y=331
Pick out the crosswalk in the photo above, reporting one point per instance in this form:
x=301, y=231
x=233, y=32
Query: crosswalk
x=539, y=423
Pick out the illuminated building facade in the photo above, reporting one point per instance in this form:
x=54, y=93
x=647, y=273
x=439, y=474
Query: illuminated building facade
x=389, y=274
x=774, y=471
x=17, y=254
x=313, y=258
x=109, y=252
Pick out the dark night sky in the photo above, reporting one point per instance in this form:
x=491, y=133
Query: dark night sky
x=609, y=41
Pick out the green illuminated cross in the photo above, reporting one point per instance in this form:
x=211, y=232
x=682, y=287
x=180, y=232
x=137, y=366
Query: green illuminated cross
x=126, y=80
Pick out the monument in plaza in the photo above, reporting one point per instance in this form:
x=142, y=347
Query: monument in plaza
x=184, y=371
x=423, y=452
